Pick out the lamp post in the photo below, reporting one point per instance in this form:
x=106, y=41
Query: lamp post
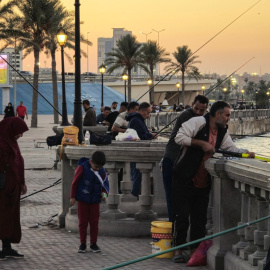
x=102, y=70
x=146, y=35
x=158, y=44
x=242, y=91
x=178, y=87
x=256, y=96
x=87, y=53
x=149, y=82
x=225, y=92
x=77, y=116
x=125, y=78
x=267, y=93
x=62, y=39
x=203, y=89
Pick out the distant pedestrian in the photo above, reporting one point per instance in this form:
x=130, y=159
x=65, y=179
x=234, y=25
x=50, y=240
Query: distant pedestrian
x=12, y=184
x=101, y=117
x=21, y=111
x=90, y=186
x=114, y=106
x=9, y=111
x=90, y=114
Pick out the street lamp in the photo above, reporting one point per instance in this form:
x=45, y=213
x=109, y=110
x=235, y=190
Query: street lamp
x=125, y=78
x=87, y=52
x=256, y=95
x=102, y=70
x=178, y=87
x=146, y=35
x=203, y=88
x=62, y=39
x=242, y=91
x=151, y=97
x=77, y=115
x=158, y=44
x=267, y=93
x=225, y=91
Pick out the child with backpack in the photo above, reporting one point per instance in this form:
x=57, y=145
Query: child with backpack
x=89, y=187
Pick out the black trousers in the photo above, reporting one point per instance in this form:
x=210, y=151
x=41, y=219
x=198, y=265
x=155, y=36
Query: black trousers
x=189, y=209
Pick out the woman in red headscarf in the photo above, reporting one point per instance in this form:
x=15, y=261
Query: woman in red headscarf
x=12, y=163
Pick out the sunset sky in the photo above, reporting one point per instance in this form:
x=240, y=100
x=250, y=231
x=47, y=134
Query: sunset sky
x=186, y=22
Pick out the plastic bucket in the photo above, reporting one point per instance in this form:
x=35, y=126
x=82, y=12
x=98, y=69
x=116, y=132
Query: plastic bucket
x=162, y=238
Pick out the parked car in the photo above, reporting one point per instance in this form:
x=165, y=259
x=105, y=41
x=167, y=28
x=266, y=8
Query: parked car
x=26, y=73
x=90, y=74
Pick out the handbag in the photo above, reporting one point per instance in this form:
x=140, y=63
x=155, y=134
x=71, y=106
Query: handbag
x=2, y=178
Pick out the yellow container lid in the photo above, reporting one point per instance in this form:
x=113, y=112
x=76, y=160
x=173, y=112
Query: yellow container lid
x=162, y=224
x=161, y=227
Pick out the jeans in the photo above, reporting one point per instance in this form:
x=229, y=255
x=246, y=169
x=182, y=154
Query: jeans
x=136, y=178
x=167, y=172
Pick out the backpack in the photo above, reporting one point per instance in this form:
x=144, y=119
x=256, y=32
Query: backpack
x=97, y=139
x=70, y=137
x=54, y=140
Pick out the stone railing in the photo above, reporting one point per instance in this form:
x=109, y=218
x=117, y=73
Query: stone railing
x=159, y=120
x=123, y=214
x=240, y=194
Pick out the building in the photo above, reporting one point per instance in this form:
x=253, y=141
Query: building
x=14, y=59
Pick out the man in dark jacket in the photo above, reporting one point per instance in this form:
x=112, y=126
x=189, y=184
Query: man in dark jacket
x=90, y=114
x=172, y=151
x=136, y=121
x=201, y=137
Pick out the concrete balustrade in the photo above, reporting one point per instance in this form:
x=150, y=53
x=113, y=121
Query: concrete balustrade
x=240, y=194
x=123, y=214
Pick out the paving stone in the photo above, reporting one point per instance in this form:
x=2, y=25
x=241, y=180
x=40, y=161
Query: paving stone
x=47, y=246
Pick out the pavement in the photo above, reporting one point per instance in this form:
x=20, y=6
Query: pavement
x=46, y=246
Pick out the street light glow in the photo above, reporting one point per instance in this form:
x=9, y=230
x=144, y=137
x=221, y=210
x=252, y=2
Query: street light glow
x=102, y=69
x=61, y=37
x=149, y=81
x=124, y=77
x=178, y=85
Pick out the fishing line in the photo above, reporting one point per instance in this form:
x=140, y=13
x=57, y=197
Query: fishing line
x=32, y=86
x=202, y=46
x=54, y=184
x=229, y=76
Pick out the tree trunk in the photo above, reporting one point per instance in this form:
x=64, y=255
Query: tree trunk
x=55, y=89
x=152, y=92
x=183, y=88
x=129, y=85
x=35, y=93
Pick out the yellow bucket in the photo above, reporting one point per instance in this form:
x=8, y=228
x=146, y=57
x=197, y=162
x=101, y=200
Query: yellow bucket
x=162, y=238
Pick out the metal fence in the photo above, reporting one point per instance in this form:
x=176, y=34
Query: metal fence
x=159, y=120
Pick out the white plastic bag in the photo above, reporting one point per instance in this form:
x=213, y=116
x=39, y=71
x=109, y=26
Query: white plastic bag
x=129, y=135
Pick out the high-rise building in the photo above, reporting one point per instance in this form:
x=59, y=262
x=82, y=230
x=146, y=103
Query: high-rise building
x=105, y=45
x=14, y=59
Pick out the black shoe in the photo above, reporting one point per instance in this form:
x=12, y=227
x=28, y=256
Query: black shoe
x=2, y=256
x=82, y=248
x=95, y=248
x=11, y=253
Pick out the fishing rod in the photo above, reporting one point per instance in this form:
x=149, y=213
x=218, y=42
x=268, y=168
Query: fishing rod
x=31, y=85
x=242, y=14
x=243, y=155
x=228, y=76
x=238, y=135
x=54, y=184
x=217, y=85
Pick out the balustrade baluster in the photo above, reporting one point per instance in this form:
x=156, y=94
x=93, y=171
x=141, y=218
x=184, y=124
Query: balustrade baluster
x=145, y=199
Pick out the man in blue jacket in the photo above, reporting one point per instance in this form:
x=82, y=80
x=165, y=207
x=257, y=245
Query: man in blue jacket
x=137, y=122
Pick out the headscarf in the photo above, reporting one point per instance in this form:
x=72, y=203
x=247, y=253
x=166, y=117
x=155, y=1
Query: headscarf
x=9, y=128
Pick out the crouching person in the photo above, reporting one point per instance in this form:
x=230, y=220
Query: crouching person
x=90, y=186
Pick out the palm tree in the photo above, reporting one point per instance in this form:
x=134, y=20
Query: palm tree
x=66, y=19
x=36, y=18
x=185, y=62
x=153, y=54
x=126, y=56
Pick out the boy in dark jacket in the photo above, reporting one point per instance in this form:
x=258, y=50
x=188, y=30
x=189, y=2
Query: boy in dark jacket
x=89, y=187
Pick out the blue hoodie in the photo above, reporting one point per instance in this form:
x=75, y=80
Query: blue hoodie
x=89, y=188
x=137, y=122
